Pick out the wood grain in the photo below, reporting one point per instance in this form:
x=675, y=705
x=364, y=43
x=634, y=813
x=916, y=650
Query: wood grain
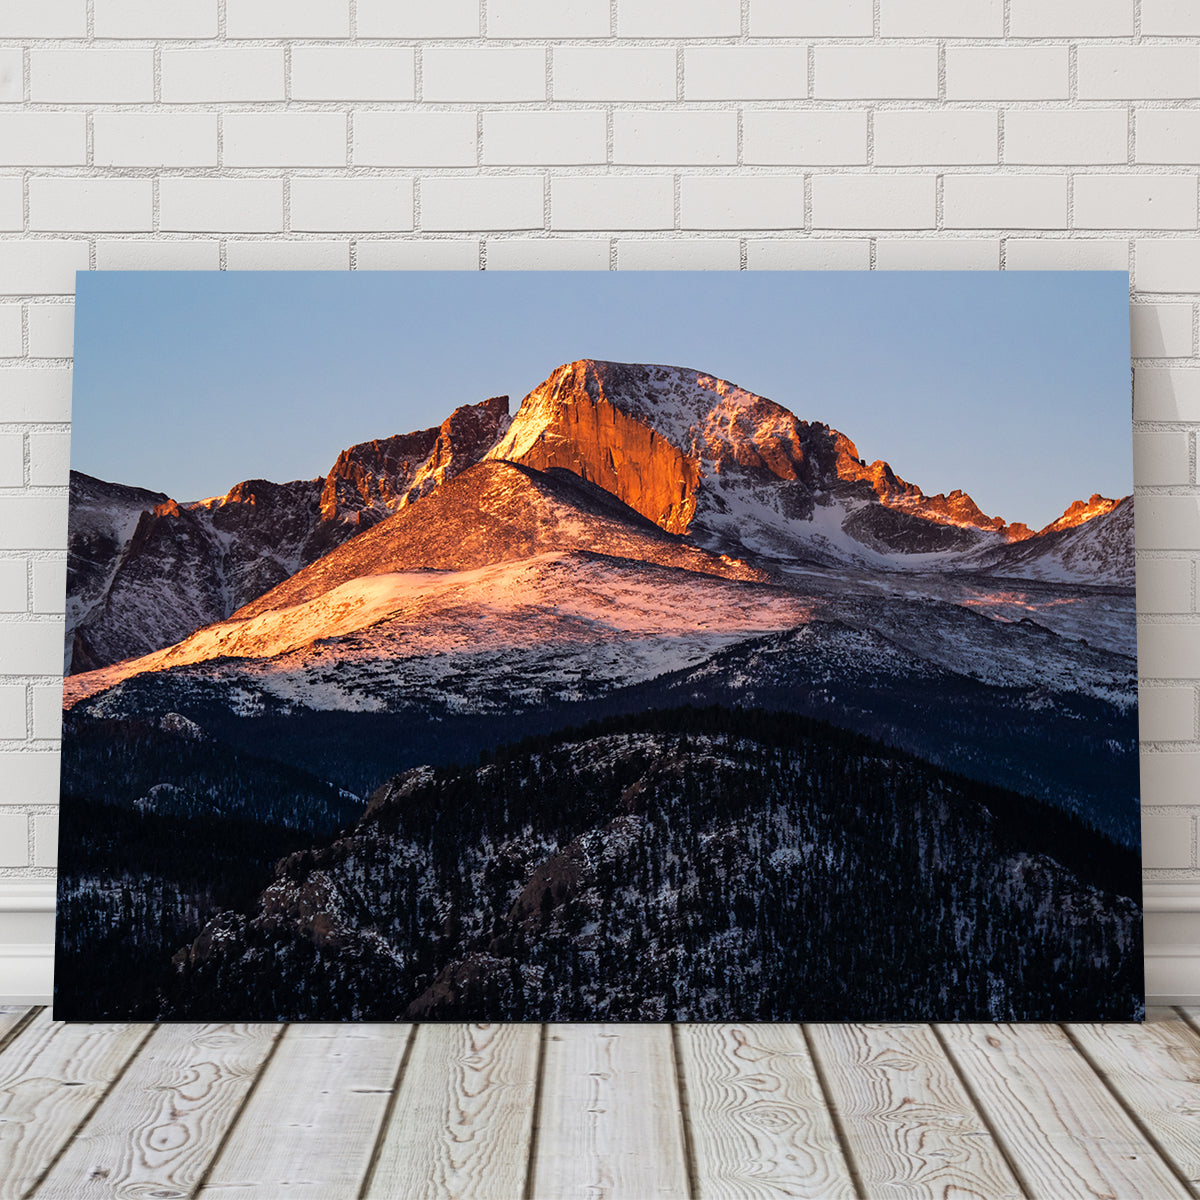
x=160, y=1126
x=1155, y=1069
x=310, y=1127
x=460, y=1126
x=51, y=1076
x=759, y=1126
x=1059, y=1124
x=11, y=1019
x=909, y=1124
x=610, y=1126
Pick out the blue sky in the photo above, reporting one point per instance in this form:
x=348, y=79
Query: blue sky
x=1011, y=386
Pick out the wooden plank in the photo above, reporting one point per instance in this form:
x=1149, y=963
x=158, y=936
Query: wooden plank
x=461, y=1123
x=610, y=1125
x=158, y=1129
x=51, y=1077
x=12, y=1017
x=311, y=1125
x=1155, y=1069
x=759, y=1126
x=1191, y=1014
x=1060, y=1126
x=911, y=1129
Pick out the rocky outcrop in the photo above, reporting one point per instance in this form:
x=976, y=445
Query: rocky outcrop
x=145, y=570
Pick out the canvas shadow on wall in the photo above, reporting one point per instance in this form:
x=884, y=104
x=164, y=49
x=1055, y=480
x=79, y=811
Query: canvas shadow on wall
x=652, y=699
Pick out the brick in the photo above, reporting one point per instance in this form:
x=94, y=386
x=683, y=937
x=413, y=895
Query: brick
x=91, y=76
x=1168, y=265
x=1135, y=201
x=1167, y=135
x=352, y=205
x=1036, y=135
x=558, y=138
x=160, y=254
x=1169, y=523
x=259, y=255
x=32, y=394
x=785, y=137
x=467, y=74
x=12, y=209
x=1065, y=254
x=12, y=711
x=415, y=139
x=937, y=254
x=311, y=139
x=876, y=72
x=32, y=522
x=612, y=202
x=482, y=202
x=1161, y=458
x=41, y=267
x=1166, y=394
x=1071, y=18
x=45, y=840
x=459, y=254
x=613, y=73
x=49, y=459
x=745, y=73
x=654, y=137
x=12, y=76
x=12, y=459
x=124, y=205
x=941, y=18
x=1170, y=18
x=218, y=76
x=32, y=647
x=13, y=586
x=418, y=18
x=1164, y=585
x=1170, y=778
x=154, y=139
x=811, y=18
x=547, y=18
x=1167, y=841
x=742, y=202
x=1160, y=330
x=30, y=777
x=353, y=73
x=1007, y=73
x=1004, y=202
x=189, y=204
x=660, y=254
x=156, y=18
x=14, y=840
x=45, y=19
x=547, y=254
x=287, y=18
x=49, y=585
x=676, y=18
x=914, y=138
x=10, y=331
x=47, y=708
x=873, y=202
x=1167, y=714
x=43, y=139
x=1138, y=72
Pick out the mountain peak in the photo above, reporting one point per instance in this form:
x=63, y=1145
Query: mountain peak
x=1080, y=512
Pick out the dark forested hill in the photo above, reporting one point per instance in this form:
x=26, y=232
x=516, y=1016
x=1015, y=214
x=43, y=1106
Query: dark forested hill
x=688, y=864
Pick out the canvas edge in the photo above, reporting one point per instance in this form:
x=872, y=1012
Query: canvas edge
x=27, y=967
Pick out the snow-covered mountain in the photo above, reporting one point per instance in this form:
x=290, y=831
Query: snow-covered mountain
x=144, y=570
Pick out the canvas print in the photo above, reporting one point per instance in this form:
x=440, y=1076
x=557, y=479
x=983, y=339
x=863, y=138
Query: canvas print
x=579, y=647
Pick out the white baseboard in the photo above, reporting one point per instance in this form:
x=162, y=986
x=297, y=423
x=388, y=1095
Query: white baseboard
x=27, y=969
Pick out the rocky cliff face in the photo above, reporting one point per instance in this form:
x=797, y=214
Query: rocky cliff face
x=146, y=570
x=699, y=455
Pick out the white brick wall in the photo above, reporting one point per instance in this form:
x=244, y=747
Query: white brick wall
x=583, y=134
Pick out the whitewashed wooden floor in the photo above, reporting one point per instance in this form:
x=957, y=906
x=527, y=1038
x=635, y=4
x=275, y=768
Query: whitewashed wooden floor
x=641, y=1112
